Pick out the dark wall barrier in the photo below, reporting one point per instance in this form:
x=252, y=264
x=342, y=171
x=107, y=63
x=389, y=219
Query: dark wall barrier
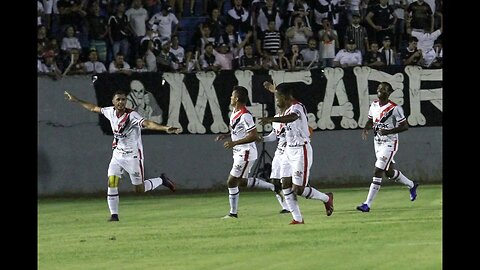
x=335, y=98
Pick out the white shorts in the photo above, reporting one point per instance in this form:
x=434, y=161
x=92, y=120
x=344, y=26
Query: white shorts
x=241, y=168
x=129, y=163
x=300, y=159
x=385, y=151
x=280, y=166
x=50, y=6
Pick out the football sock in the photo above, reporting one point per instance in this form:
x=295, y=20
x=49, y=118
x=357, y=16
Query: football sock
x=292, y=203
x=312, y=193
x=233, y=196
x=113, y=199
x=282, y=202
x=374, y=188
x=151, y=184
x=260, y=183
x=399, y=177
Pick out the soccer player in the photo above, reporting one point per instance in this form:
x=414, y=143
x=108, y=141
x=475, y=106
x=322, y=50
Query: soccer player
x=299, y=154
x=243, y=134
x=387, y=120
x=127, y=148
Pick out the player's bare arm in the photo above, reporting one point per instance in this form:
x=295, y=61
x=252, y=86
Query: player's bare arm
x=87, y=105
x=222, y=137
x=403, y=126
x=282, y=119
x=367, y=127
x=155, y=126
x=251, y=137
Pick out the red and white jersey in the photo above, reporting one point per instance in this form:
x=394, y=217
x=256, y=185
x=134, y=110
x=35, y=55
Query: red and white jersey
x=126, y=130
x=279, y=129
x=241, y=122
x=297, y=132
x=387, y=116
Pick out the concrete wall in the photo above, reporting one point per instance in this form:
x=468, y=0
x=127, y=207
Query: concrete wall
x=73, y=153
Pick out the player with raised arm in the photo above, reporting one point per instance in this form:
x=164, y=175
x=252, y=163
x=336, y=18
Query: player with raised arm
x=127, y=148
x=387, y=120
x=299, y=153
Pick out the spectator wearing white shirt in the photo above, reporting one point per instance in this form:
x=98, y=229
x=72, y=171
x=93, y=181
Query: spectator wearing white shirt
x=119, y=65
x=348, y=57
x=137, y=18
x=426, y=39
x=70, y=41
x=223, y=57
x=93, y=66
x=165, y=22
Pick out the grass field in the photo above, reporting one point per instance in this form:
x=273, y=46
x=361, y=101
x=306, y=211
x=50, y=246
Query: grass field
x=185, y=231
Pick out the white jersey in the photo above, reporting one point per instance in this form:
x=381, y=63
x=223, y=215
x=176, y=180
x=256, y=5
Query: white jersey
x=297, y=132
x=279, y=129
x=387, y=116
x=241, y=122
x=126, y=131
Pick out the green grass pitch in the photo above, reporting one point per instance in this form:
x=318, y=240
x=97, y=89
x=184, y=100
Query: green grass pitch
x=185, y=231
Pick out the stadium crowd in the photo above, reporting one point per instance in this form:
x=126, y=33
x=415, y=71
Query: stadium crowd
x=95, y=36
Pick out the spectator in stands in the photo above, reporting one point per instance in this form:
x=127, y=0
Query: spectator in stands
x=239, y=17
x=150, y=56
x=420, y=15
x=166, y=22
x=311, y=55
x=357, y=32
x=137, y=18
x=71, y=14
x=269, y=41
x=348, y=57
x=177, y=6
x=437, y=47
x=399, y=7
x=139, y=65
x=166, y=61
x=373, y=58
x=388, y=53
x=207, y=59
x=179, y=53
x=75, y=65
x=49, y=66
x=119, y=65
x=282, y=60
x=223, y=57
x=268, y=62
x=270, y=12
x=326, y=9
x=93, y=66
x=119, y=31
x=70, y=41
x=42, y=39
x=381, y=19
x=426, y=40
x=231, y=38
x=205, y=38
x=328, y=43
x=97, y=31
x=215, y=23
x=40, y=14
x=192, y=62
x=411, y=55
x=296, y=59
x=299, y=33
x=50, y=12
x=248, y=61
x=298, y=8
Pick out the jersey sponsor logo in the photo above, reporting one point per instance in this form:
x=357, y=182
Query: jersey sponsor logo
x=136, y=174
x=298, y=174
x=237, y=168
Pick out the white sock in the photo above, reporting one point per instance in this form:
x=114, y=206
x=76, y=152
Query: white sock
x=151, y=184
x=312, y=193
x=399, y=177
x=282, y=202
x=113, y=199
x=233, y=196
x=291, y=200
x=374, y=188
x=260, y=183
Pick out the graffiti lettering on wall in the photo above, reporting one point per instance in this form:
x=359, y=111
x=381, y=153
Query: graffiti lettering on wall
x=336, y=98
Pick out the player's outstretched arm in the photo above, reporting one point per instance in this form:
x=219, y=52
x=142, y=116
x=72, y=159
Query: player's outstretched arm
x=87, y=105
x=155, y=126
x=368, y=126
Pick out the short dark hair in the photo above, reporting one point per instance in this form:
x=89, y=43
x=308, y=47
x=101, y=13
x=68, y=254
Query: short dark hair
x=389, y=86
x=242, y=93
x=284, y=90
x=119, y=92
